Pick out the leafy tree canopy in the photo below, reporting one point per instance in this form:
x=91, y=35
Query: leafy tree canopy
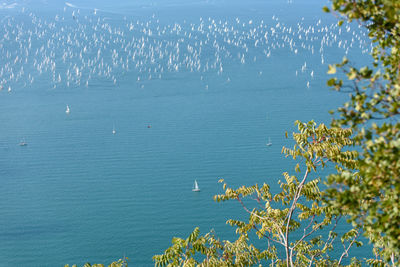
x=371, y=196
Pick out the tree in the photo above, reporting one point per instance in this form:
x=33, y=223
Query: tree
x=372, y=194
x=120, y=263
x=291, y=220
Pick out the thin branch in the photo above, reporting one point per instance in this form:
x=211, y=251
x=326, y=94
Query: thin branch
x=308, y=226
x=259, y=203
x=290, y=214
x=249, y=211
x=268, y=237
x=345, y=253
x=306, y=235
x=329, y=241
x=262, y=218
x=312, y=259
x=392, y=259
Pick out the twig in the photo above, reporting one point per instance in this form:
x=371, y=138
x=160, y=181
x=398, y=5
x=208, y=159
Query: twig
x=312, y=259
x=290, y=214
x=268, y=237
x=345, y=253
x=306, y=235
x=262, y=218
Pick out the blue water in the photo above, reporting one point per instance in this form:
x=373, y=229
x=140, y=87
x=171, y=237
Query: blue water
x=79, y=193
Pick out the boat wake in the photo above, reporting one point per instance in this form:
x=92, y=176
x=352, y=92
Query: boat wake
x=70, y=5
x=8, y=6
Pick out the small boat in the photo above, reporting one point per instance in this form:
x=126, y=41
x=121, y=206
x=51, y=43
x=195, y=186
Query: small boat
x=67, y=111
x=269, y=142
x=23, y=143
x=114, y=131
x=196, y=187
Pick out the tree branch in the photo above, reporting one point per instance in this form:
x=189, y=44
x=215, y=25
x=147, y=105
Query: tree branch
x=345, y=253
x=290, y=214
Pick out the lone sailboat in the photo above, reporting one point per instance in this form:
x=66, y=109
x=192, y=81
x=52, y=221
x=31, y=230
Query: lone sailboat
x=114, y=131
x=269, y=142
x=23, y=142
x=67, y=111
x=196, y=187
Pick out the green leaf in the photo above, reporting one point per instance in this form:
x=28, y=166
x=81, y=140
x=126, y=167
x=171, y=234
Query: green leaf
x=331, y=69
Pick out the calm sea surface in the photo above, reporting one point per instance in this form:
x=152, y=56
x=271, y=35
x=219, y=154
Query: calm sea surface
x=193, y=90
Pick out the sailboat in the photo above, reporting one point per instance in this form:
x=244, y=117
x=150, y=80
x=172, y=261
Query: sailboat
x=269, y=142
x=23, y=143
x=114, y=131
x=67, y=110
x=196, y=187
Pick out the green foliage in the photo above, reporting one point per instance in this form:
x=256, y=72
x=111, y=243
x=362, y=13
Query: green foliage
x=214, y=251
x=120, y=263
x=297, y=210
x=372, y=195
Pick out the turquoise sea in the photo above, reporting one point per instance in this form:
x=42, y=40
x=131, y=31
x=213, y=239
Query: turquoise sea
x=193, y=90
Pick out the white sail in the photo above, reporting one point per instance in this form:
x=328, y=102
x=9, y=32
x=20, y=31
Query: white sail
x=196, y=187
x=67, y=110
